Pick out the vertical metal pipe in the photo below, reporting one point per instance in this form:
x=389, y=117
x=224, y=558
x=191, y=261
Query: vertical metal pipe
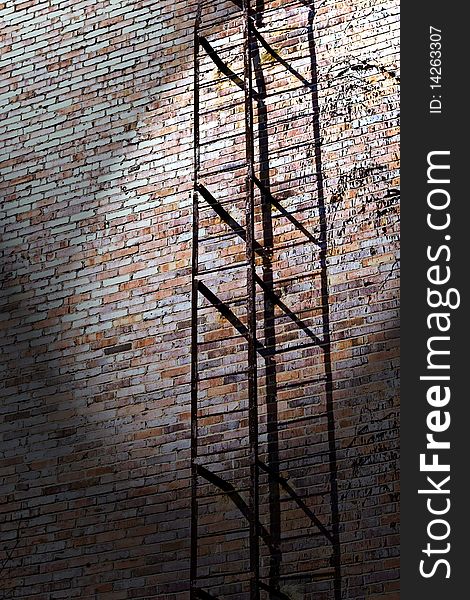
x=269, y=329
x=194, y=317
x=251, y=307
x=326, y=347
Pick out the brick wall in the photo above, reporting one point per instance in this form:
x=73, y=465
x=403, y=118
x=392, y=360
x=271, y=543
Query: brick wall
x=96, y=177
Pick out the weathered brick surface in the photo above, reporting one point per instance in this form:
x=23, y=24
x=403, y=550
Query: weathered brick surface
x=96, y=179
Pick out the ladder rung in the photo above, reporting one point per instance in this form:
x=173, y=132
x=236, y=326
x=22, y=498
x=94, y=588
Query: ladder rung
x=218, y=236
x=232, y=136
x=235, y=337
x=210, y=111
x=259, y=249
x=285, y=500
x=300, y=313
x=207, y=85
x=209, y=377
x=239, y=300
x=220, y=21
x=297, y=146
x=222, y=452
x=221, y=413
x=301, y=536
x=294, y=384
x=222, y=574
x=294, y=348
x=229, y=235
x=309, y=274
x=223, y=532
x=224, y=339
x=288, y=91
x=224, y=168
x=219, y=492
x=222, y=269
x=320, y=573
x=290, y=181
x=222, y=203
x=306, y=418
x=285, y=120
x=278, y=214
x=303, y=242
x=286, y=29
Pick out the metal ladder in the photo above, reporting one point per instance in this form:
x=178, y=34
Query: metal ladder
x=232, y=200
